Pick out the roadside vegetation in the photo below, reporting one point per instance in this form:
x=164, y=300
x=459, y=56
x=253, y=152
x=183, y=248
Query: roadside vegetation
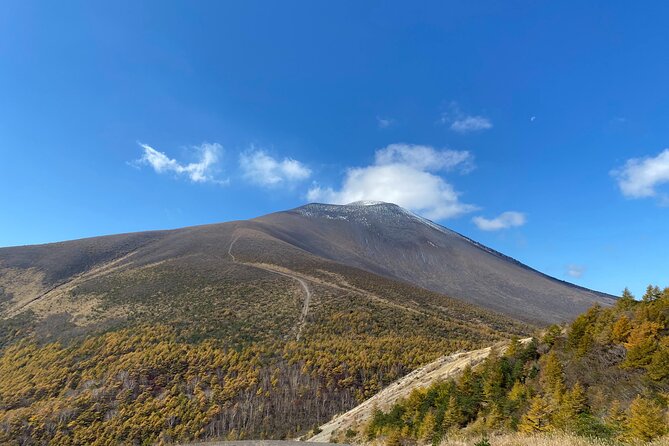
x=605, y=376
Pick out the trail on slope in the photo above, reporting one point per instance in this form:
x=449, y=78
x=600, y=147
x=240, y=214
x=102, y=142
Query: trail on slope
x=442, y=369
x=286, y=273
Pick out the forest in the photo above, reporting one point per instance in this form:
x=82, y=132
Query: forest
x=605, y=376
x=148, y=382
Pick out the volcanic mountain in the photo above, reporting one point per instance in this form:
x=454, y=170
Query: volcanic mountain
x=315, y=240
x=388, y=240
x=264, y=328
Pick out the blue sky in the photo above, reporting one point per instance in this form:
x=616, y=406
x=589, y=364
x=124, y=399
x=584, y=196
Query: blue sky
x=538, y=128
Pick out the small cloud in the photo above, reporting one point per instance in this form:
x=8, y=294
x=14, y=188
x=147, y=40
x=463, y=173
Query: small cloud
x=640, y=177
x=464, y=123
x=575, y=271
x=505, y=220
x=384, y=123
x=469, y=124
x=201, y=171
x=406, y=175
x=533, y=118
x=260, y=168
x=425, y=157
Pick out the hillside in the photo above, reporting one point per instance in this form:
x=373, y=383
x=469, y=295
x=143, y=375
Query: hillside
x=251, y=329
x=386, y=239
x=606, y=376
x=446, y=367
x=218, y=331
x=321, y=241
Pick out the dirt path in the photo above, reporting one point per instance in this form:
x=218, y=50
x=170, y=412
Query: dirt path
x=443, y=368
x=286, y=273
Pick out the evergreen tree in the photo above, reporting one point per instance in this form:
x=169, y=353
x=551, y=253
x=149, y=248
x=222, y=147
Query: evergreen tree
x=427, y=427
x=652, y=293
x=626, y=301
x=495, y=418
x=453, y=415
x=658, y=369
x=641, y=344
x=552, y=334
x=574, y=404
x=394, y=438
x=514, y=348
x=645, y=420
x=552, y=376
x=621, y=329
x=537, y=418
x=616, y=418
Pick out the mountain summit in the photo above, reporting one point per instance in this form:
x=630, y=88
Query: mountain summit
x=389, y=240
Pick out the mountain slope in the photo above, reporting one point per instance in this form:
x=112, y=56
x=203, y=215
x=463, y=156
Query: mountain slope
x=386, y=239
x=446, y=367
x=383, y=239
x=217, y=331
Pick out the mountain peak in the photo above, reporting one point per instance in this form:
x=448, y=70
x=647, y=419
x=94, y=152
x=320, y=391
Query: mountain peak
x=367, y=203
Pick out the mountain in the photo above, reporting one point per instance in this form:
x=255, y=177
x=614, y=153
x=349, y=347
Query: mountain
x=388, y=240
x=263, y=328
x=380, y=238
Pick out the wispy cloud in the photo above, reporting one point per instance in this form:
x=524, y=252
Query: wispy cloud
x=425, y=157
x=200, y=171
x=384, y=123
x=406, y=175
x=575, y=271
x=505, y=220
x=464, y=123
x=261, y=168
x=640, y=177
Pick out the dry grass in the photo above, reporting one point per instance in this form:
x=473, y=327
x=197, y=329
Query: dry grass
x=550, y=439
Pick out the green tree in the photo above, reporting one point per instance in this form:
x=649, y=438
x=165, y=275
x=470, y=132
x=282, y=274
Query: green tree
x=652, y=293
x=646, y=420
x=427, y=427
x=616, y=418
x=551, y=335
x=552, y=375
x=658, y=369
x=626, y=301
x=453, y=415
x=574, y=404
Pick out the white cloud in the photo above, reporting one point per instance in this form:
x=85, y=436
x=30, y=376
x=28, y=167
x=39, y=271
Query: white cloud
x=200, y=171
x=384, y=123
x=425, y=157
x=403, y=174
x=464, y=123
x=505, y=220
x=639, y=177
x=468, y=124
x=575, y=271
x=260, y=168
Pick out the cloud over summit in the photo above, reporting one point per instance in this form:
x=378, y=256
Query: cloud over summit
x=406, y=175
